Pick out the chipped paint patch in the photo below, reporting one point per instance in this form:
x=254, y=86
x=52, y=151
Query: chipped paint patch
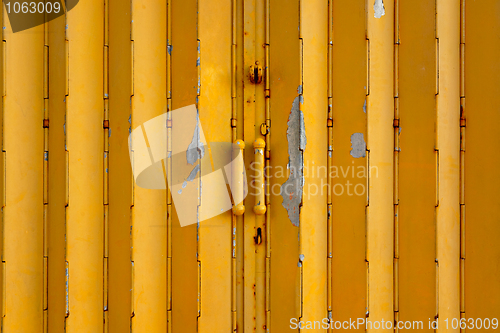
x=379, y=8
x=190, y=178
x=358, y=145
x=291, y=190
x=195, y=149
x=364, y=106
x=300, y=93
x=301, y=259
x=193, y=173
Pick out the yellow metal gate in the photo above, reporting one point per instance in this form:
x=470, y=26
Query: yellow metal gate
x=365, y=211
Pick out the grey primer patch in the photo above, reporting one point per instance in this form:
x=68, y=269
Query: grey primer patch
x=301, y=259
x=195, y=149
x=191, y=176
x=379, y=9
x=291, y=190
x=193, y=173
x=358, y=145
x=364, y=106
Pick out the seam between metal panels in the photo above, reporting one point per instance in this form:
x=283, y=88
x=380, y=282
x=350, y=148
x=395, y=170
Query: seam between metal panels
x=329, y=125
x=45, y=173
x=437, y=158
x=132, y=267
x=3, y=178
x=66, y=81
x=107, y=134
x=462, y=160
x=436, y=154
x=234, y=135
x=397, y=131
x=168, y=165
x=367, y=92
x=300, y=100
x=198, y=90
x=233, y=71
x=267, y=216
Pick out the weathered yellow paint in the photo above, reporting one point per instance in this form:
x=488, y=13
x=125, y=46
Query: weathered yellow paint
x=149, y=214
x=482, y=180
x=260, y=208
x=250, y=134
x=184, y=246
x=215, y=234
x=380, y=210
x=408, y=249
x=238, y=105
x=448, y=144
x=417, y=162
x=348, y=199
x=284, y=81
x=238, y=168
x=23, y=143
x=120, y=184
x=314, y=104
x=2, y=174
x=57, y=176
x=260, y=236
x=85, y=147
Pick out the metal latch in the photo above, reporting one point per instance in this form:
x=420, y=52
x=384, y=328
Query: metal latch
x=258, y=236
x=264, y=129
x=255, y=73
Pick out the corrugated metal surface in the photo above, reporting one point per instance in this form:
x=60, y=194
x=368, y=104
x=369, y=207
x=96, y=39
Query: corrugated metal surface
x=364, y=203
